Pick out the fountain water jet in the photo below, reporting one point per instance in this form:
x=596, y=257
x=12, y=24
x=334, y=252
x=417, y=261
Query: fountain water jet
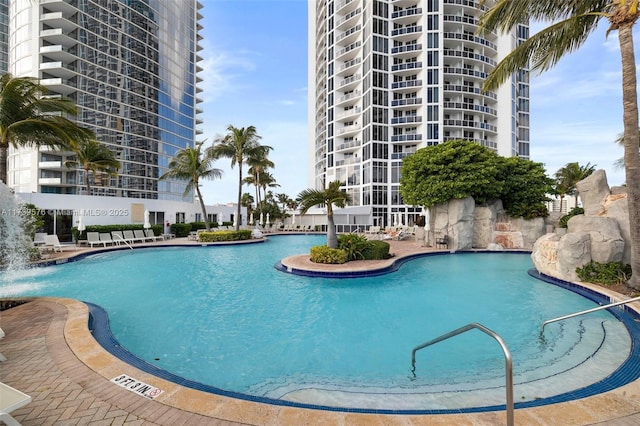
x=15, y=245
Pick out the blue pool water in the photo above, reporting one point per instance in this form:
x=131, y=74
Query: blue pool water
x=225, y=317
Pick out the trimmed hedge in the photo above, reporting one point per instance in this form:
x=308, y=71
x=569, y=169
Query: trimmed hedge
x=218, y=236
x=324, y=254
x=376, y=250
x=181, y=229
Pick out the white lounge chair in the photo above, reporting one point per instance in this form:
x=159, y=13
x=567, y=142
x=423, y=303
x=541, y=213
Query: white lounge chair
x=52, y=242
x=93, y=238
x=129, y=236
x=140, y=236
x=38, y=238
x=149, y=233
x=105, y=238
x=11, y=399
x=118, y=238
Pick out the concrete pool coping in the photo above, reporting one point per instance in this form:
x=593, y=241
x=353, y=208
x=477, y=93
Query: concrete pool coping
x=93, y=368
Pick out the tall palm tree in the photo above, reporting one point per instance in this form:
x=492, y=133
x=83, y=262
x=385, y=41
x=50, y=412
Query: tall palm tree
x=325, y=198
x=191, y=165
x=259, y=164
x=93, y=157
x=28, y=117
x=571, y=24
x=568, y=176
x=239, y=144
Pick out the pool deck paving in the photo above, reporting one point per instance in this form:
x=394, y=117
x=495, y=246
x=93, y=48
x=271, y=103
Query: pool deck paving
x=52, y=356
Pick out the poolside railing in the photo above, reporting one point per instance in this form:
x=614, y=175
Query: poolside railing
x=505, y=350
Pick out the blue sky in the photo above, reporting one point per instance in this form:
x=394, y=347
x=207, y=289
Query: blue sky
x=255, y=73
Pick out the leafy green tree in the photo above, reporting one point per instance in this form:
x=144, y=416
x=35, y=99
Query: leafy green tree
x=327, y=197
x=571, y=22
x=192, y=165
x=568, y=176
x=453, y=169
x=28, y=117
x=93, y=157
x=247, y=202
x=241, y=145
x=525, y=187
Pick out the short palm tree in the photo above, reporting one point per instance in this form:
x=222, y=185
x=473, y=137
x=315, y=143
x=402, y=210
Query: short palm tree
x=93, y=157
x=571, y=24
x=28, y=117
x=325, y=198
x=191, y=165
x=240, y=145
x=568, y=176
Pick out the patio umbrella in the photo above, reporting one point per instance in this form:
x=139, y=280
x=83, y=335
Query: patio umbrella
x=81, y=226
x=251, y=219
x=146, y=225
x=220, y=220
x=293, y=218
x=235, y=221
x=261, y=219
x=427, y=219
x=267, y=218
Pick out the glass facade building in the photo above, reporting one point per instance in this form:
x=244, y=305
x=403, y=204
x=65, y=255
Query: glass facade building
x=131, y=68
x=387, y=77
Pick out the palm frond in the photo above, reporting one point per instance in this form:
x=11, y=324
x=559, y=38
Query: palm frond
x=544, y=49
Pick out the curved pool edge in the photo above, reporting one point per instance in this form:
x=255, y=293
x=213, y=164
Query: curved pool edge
x=629, y=370
x=617, y=403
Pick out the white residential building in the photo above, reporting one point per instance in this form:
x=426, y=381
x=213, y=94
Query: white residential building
x=131, y=68
x=387, y=77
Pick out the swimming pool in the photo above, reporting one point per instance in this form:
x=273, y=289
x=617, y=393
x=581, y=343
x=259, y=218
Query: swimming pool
x=341, y=343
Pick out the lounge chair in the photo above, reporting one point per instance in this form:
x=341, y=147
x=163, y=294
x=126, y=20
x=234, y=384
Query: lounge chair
x=94, y=238
x=118, y=238
x=52, y=242
x=38, y=238
x=139, y=234
x=105, y=238
x=11, y=399
x=442, y=241
x=149, y=233
x=129, y=236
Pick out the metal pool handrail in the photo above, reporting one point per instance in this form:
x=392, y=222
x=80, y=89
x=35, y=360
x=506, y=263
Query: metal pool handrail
x=599, y=308
x=507, y=357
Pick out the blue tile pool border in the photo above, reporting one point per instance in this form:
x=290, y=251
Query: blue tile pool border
x=628, y=372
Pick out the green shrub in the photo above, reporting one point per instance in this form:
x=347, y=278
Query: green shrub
x=376, y=250
x=562, y=223
x=353, y=244
x=218, y=236
x=181, y=229
x=604, y=273
x=324, y=254
x=528, y=211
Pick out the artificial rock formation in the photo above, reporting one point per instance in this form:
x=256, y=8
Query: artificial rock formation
x=601, y=234
x=468, y=226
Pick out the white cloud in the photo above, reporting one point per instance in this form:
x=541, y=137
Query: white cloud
x=225, y=72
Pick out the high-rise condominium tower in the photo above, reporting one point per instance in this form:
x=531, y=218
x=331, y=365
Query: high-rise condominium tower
x=387, y=77
x=130, y=67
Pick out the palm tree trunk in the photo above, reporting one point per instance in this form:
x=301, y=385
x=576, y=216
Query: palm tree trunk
x=631, y=153
x=238, y=218
x=86, y=176
x=204, y=209
x=4, y=153
x=332, y=239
